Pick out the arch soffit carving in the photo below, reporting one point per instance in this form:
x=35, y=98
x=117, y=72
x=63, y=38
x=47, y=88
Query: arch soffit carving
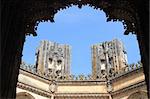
x=116, y=10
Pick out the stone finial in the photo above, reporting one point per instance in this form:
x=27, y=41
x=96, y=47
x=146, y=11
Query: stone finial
x=81, y=77
x=90, y=77
x=71, y=77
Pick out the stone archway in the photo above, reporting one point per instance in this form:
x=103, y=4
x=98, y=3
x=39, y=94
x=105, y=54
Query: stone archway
x=41, y=11
x=24, y=95
x=22, y=17
x=118, y=10
x=138, y=95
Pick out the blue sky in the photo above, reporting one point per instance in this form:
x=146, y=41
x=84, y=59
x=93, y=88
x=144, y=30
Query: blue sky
x=80, y=28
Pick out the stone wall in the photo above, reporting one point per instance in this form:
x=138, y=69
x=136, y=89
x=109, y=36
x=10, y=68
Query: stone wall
x=123, y=85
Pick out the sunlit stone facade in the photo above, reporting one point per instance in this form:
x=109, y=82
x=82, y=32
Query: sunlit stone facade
x=108, y=57
x=49, y=80
x=53, y=58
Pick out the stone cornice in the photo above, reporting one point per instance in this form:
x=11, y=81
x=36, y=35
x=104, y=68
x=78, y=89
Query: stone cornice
x=128, y=73
x=48, y=94
x=129, y=88
x=33, y=75
x=80, y=82
x=63, y=82
x=100, y=95
x=113, y=77
x=72, y=82
x=33, y=89
x=84, y=83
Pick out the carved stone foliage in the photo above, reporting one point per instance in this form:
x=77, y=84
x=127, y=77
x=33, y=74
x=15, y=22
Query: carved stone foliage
x=44, y=10
x=55, y=61
x=56, y=51
x=112, y=74
x=129, y=68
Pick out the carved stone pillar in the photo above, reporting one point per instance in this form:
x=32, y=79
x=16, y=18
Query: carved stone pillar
x=144, y=57
x=143, y=36
x=12, y=45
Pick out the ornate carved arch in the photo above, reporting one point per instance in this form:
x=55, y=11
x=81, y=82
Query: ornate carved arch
x=20, y=16
x=24, y=95
x=116, y=10
x=138, y=95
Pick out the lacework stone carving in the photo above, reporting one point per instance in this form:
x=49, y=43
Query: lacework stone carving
x=112, y=73
x=42, y=10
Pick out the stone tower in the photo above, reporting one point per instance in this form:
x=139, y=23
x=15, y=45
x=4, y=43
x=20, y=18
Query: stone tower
x=108, y=57
x=53, y=58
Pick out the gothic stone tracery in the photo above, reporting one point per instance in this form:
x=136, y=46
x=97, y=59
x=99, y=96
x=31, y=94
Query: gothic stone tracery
x=53, y=59
x=20, y=17
x=117, y=10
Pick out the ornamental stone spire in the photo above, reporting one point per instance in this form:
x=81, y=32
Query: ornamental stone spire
x=108, y=57
x=53, y=58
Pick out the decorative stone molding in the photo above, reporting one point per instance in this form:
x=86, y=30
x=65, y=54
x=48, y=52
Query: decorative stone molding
x=118, y=10
x=140, y=84
x=82, y=95
x=34, y=75
x=33, y=89
x=15, y=26
x=71, y=81
x=81, y=83
x=131, y=68
x=124, y=74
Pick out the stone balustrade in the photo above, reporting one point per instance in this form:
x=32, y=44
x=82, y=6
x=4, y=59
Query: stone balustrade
x=81, y=77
